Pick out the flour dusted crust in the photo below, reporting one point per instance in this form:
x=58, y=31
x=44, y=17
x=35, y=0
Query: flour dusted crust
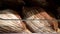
x=11, y=21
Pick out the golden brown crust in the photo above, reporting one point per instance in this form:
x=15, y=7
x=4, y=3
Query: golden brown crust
x=51, y=20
